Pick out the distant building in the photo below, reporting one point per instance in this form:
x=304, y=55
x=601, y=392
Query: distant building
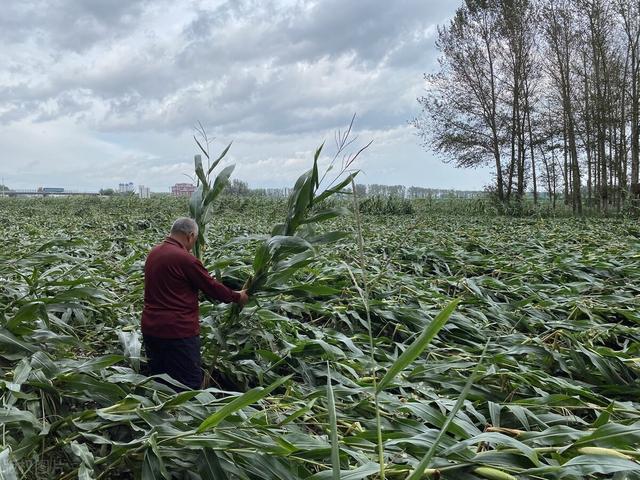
x=126, y=187
x=50, y=190
x=144, y=191
x=182, y=190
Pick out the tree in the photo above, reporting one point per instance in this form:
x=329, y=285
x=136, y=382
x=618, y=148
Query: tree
x=629, y=11
x=462, y=117
x=238, y=187
x=559, y=31
x=541, y=88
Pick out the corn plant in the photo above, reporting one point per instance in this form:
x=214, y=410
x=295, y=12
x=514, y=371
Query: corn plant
x=207, y=190
x=291, y=243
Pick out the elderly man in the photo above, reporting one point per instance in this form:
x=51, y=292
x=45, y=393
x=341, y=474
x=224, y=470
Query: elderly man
x=171, y=319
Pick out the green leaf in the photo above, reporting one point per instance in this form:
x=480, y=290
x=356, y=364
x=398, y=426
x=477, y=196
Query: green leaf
x=424, y=463
x=244, y=400
x=261, y=258
x=180, y=398
x=20, y=375
x=283, y=245
x=327, y=214
x=85, y=471
x=94, y=364
x=359, y=473
x=495, y=439
x=333, y=428
x=558, y=434
x=316, y=157
x=219, y=184
x=328, y=237
x=15, y=415
x=314, y=289
x=417, y=347
x=210, y=468
x=27, y=314
x=300, y=201
x=612, y=435
x=494, y=412
x=604, y=416
x=584, y=465
x=7, y=339
x=202, y=149
x=336, y=189
x=131, y=346
x=217, y=160
x=604, y=464
x=152, y=466
x=200, y=173
x=195, y=204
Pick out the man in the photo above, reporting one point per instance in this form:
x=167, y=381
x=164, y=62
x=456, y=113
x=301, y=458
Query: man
x=171, y=317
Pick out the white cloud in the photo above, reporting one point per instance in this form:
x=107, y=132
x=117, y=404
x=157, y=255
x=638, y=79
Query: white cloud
x=94, y=93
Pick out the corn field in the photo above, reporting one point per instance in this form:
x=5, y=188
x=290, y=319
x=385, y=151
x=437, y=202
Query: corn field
x=440, y=346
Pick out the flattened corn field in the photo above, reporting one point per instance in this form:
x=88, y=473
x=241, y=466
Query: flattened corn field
x=556, y=302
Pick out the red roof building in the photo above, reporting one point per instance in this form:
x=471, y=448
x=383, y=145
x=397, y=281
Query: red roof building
x=182, y=190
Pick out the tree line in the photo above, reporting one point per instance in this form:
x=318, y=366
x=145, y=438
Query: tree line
x=241, y=188
x=545, y=91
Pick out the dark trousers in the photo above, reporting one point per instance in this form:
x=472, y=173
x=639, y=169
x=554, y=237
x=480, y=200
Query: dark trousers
x=177, y=357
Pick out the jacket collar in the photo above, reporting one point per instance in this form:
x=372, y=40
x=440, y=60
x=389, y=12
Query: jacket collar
x=175, y=242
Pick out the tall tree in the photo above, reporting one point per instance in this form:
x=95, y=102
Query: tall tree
x=547, y=88
x=558, y=29
x=462, y=117
x=629, y=11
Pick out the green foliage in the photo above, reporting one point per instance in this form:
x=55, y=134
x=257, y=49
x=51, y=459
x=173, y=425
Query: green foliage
x=207, y=190
x=379, y=205
x=556, y=395
x=291, y=244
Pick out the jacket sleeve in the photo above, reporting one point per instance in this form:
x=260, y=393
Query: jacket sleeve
x=212, y=288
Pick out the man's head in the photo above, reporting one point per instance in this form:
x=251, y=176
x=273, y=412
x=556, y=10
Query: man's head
x=185, y=230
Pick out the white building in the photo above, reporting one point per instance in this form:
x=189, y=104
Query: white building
x=144, y=191
x=126, y=187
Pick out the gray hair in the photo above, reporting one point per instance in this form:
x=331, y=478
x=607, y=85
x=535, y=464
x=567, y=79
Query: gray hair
x=185, y=226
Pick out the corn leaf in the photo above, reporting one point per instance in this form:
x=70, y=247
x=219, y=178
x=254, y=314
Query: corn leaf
x=215, y=163
x=221, y=181
x=417, y=347
x=200, y=173
x=333, y=428
x=210, y=468
x=244, y=400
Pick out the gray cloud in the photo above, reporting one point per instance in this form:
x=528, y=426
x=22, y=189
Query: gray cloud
x=249, y=65
x=73, y=25
x=285, y=70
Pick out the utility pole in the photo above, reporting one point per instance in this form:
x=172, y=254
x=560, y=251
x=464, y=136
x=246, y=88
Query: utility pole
x=3, y=187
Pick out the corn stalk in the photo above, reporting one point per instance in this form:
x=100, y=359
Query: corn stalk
x=207, y=191
x=292, y=243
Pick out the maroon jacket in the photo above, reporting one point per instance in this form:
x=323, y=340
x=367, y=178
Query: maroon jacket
x=172, y=279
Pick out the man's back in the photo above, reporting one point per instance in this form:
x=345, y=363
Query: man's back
x=172, y=278
x=170, y=301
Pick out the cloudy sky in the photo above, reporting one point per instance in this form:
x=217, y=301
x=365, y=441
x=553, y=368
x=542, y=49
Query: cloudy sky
x=96, y=92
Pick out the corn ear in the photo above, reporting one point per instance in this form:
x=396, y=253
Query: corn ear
x=493, y=473
x=603, y=451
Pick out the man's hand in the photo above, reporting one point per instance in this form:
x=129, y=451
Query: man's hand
x=244, y=298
